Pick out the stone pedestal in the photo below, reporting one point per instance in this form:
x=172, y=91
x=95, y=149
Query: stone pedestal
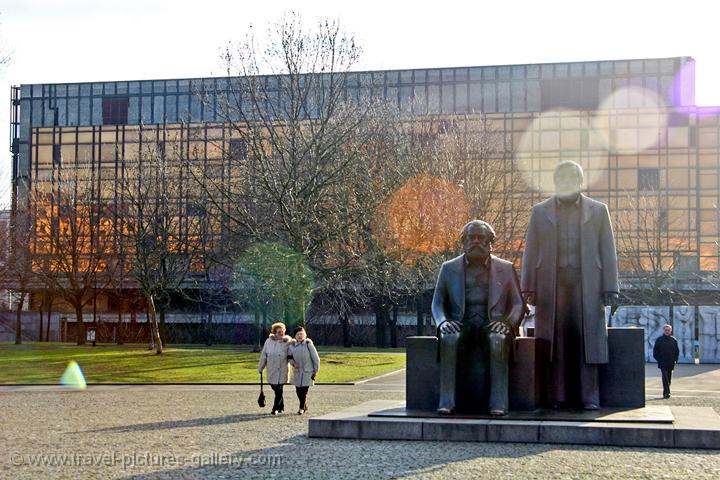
x=526, y=374
x=423, y=375
x=622, y=380
x=658, y=426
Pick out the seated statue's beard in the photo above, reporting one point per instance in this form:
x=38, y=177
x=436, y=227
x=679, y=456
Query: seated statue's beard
x=476, y=254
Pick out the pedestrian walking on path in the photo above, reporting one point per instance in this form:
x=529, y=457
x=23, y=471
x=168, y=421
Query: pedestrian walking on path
x=666, y=353
x=274, y=355
x=306, y=363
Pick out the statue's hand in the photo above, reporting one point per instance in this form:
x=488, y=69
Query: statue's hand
x=450, y=327
x=499, y=327
x=529, y=298
x=611, y=299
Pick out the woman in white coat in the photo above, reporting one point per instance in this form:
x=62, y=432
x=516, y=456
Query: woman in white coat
x=306, y=363
x=274, y=355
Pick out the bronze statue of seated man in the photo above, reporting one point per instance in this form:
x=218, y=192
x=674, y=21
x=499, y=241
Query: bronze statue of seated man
x=477, y=307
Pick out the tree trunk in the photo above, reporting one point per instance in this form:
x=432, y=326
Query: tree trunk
x=258, y=332
x=49, y=320
x=345, y=322
x=119, y=330
x=264, y=323
x=380, y=324
x=162, y=328
x=208, y=329
x=420, y=324
x=40, y=311
x=393, y=327
x=79, y=325
x=151, y=328
x=154, y=327
x=18, y=319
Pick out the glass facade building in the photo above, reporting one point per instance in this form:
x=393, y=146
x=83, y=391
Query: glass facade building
x=632, y=124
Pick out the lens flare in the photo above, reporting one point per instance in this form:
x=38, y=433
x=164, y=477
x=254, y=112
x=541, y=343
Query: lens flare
x=554, y=136
x=631, y=120
x=683, y=86
x=423, y=216
x=73, y=377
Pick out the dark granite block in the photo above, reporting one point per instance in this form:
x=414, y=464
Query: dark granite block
x=454, y=431
x=697, y=439
x=696, y=427
x=339, y=428
x=574, y=432
x=389, y=430
x=649, y=436
x=422, y=375
x=525, y=375
x=508, y=431
x=622, y=380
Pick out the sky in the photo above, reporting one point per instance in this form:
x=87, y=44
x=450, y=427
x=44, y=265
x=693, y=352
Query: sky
x=101, y=40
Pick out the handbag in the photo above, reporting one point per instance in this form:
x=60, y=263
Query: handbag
x=261, y=397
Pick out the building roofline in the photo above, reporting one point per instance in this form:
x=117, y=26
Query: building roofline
x=685, y=58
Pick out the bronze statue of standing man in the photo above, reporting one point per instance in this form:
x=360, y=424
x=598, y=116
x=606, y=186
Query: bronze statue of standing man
x=477, y=307
x=569, y=272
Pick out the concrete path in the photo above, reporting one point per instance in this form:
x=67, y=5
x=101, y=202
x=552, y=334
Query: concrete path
x=688, y=381
x=218, y=431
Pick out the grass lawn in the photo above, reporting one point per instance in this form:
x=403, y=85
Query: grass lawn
x=43, y=363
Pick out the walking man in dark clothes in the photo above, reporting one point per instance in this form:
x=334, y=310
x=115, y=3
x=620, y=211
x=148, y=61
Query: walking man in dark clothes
x=666, y=352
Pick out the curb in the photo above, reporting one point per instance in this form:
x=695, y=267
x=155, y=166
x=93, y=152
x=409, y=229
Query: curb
x=377, y=377
x=357, y=382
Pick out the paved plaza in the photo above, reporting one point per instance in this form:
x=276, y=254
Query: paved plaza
x=220, y=432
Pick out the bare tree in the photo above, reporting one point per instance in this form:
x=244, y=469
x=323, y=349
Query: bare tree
x=312, y=153
x=460, y=170
x=652, y=244
x=296, y=139
x=161, y=227
x=16, y=268
x=73, y=245
x=471, y=155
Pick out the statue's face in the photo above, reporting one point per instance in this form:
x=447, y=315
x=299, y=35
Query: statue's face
x=568, y=182
x=478, y=243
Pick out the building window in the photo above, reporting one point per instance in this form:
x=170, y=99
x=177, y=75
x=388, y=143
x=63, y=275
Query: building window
x=687, y=263
x=238, y=149
x=57, y=156
x=648, y=178
x=572, y=93
x=662, y=219
x=115, y=110
x=160, y=149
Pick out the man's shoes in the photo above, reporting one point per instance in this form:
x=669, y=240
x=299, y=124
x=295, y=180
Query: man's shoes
x=445, y=411
x=590, y=406
x=498, y=412
x=274, y=412
x=301, y=411
x=666, y=396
